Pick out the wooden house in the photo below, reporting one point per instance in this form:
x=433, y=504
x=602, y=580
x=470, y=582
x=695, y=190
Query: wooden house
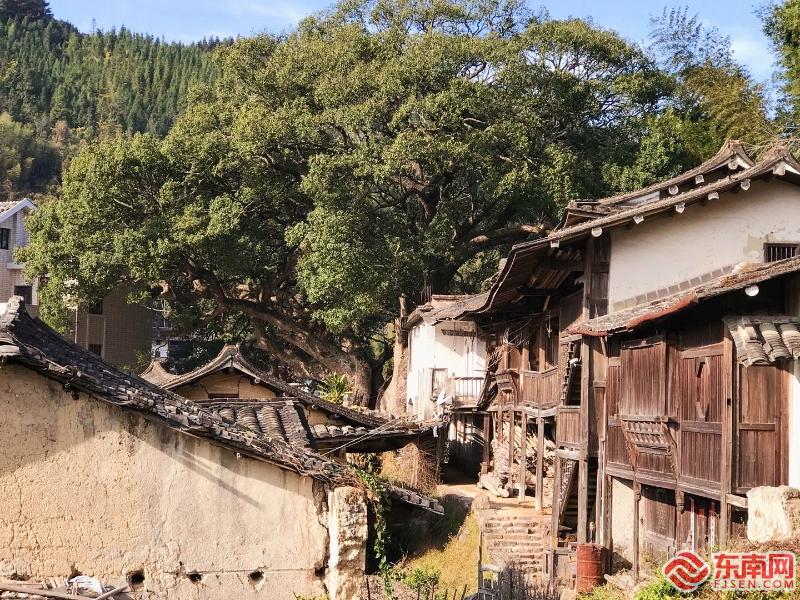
x=233, y=387
x=651, y=336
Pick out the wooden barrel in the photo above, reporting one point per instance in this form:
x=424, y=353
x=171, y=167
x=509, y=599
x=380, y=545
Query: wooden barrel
x=591, y=567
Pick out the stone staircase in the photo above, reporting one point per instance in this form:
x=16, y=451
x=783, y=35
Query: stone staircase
x=517, y=537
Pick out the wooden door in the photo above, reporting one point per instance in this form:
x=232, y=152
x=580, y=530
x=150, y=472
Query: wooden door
x=701, y=403
x=760, y=444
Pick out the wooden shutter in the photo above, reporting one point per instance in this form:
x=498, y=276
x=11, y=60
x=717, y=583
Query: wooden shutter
x=643, y=378
x=760, y=453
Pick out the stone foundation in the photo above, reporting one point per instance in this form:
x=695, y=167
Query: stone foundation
x=347, y=528
x=773, y=513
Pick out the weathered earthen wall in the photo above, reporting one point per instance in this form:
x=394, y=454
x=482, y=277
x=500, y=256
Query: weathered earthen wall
x=233, y=385
x=89, y=487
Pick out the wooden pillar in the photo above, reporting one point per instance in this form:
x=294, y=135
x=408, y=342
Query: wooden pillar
x=608, y=538
x=539, y=462
x=511, y=443
x=726, y=472
x=583, y=499
x=487, y=432
x=637, y=496
x=556, y=509
x=523, y=459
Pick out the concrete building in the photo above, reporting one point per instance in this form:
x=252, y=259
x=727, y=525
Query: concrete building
x=13, y=235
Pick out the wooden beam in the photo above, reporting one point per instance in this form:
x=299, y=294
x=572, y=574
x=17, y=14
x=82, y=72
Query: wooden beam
x=33, y=590
x=523, y=459
x=537, y=292
x=539, y=463
x=559, y=264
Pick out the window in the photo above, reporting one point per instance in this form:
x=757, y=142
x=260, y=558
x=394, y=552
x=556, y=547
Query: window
x=25, y=291
x=96, y=308
x=96, y=348
x=5, y=238
x=773, y=252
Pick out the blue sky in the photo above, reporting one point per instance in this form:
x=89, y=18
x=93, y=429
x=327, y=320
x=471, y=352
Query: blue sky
x=189, y=20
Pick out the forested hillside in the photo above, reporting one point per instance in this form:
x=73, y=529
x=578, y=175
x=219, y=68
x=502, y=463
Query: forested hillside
x=59, y=87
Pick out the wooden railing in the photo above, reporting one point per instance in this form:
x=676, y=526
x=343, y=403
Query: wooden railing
x=568, y=426
x=540, y=389
x=467, y=390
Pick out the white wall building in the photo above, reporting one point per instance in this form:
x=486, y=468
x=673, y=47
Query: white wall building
x=447, y=359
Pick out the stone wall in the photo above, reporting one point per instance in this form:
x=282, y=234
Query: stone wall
x=347, y=525
x=773, y=514
x=93, y=488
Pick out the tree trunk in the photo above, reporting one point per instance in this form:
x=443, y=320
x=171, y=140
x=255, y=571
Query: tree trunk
x=311, y=356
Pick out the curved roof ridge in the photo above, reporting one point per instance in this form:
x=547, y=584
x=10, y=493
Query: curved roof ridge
x=231, y=357
x=729, y=150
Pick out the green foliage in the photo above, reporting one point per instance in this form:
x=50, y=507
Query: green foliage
x=659, y=589
x=378, y=497
x=422, y=579
x=379, y=148
x=24, y=9
x=26, y=162
x=114, y=79
x=782, y=26
x=336, y=388
x=713, y=90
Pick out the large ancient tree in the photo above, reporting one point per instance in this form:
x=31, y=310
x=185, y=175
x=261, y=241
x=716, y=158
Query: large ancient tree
x=379, y=148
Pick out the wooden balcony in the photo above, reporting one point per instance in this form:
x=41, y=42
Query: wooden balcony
x=466, y=390
x=540, y=389
x=568, y=426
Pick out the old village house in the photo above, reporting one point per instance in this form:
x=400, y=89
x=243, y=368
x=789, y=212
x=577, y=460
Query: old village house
x=106, y=474
x=647, y=347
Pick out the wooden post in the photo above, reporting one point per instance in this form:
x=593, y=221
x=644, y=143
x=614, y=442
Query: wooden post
x=729, y=370
x=539, y=462
x=487, y=432
x=583, y=499
x=512, y=417
x=556, y=509
x=637, y=496
x=523, y=459
x=608, y=537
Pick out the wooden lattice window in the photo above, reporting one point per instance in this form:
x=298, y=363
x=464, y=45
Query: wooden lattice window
x=775, y=252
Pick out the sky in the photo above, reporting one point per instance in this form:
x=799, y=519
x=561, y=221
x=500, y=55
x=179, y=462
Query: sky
x=190, y=20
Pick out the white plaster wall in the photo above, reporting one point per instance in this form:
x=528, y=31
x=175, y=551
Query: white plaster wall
x=430, y=348
x=622, y=517
x=91, y=487
x=732, y=229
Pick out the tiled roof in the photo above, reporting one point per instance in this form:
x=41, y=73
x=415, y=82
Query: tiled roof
x=446, y=308
x=281, y=419
x=29, y=342
x=731, y=155
x=528, y=258
x=7, y=209
x=285, y=418
x=630, y=318
x=230, y=357
x=764, y=339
